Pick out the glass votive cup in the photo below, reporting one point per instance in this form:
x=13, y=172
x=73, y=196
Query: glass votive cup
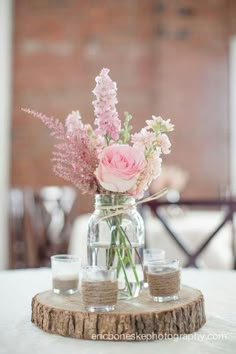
x=163, y=278
x=99, y=288
x=65, y=273
x=151, y=255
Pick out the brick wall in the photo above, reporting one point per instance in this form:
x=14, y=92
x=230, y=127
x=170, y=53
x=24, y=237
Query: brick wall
x=168, y=57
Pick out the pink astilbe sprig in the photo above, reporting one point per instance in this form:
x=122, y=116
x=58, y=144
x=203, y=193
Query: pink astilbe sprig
x=75, y=161
x=106, y=116
x=75, y=158
x=54, y=124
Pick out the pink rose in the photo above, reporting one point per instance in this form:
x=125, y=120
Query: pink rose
x=119, y=167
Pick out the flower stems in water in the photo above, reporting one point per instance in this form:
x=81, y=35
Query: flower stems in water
x=122, y=247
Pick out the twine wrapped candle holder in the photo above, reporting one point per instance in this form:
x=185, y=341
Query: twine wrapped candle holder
x=99, y=288
x=151, y=255
x=163, y=278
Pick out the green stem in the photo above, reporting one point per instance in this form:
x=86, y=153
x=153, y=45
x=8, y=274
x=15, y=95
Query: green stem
x=137, y=253
x=125, y=258
x=130, y=256
x=125, y=275
x=111, y=251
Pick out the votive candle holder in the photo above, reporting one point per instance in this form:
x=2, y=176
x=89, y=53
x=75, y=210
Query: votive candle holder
x=65, y=273
x=99, y=288
x=163, y=278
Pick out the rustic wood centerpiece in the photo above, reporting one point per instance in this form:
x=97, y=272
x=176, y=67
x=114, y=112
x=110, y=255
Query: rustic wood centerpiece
x=139, y=319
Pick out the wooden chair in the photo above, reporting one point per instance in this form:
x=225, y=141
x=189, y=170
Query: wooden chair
x=229, y=208
x=40, y=224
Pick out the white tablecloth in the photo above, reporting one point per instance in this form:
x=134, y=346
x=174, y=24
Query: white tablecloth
x=19, y=336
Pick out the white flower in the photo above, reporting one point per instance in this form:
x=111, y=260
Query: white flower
x=159, y=122
x=144, y=137
x=154, y=167
x=164, y=143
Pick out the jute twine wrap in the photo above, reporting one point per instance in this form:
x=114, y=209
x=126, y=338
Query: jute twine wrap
x=164, y=283
x=145, y=276
x=97, y=293
x=120, y=209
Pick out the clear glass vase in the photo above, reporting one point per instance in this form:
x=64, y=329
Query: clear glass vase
x=118, y=241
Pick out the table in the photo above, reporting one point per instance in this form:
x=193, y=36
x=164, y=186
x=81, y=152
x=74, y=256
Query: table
x=19, y=336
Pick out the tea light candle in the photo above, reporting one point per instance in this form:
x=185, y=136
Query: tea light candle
x=65, y=282
x=65, y=274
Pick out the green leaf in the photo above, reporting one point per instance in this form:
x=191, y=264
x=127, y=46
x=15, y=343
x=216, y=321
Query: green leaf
x=125, y=131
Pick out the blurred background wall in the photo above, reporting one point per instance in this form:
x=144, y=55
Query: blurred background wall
x=169, y=58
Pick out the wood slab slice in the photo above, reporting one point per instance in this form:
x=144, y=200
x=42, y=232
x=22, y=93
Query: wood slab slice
x=139, y=319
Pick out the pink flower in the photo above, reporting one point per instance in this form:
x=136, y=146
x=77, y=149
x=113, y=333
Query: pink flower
x=73, y=122
x=75, y=157
x=107, y=121
x=119, y=167
x=164, y=143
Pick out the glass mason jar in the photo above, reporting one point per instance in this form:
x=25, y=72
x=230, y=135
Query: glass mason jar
x=116, y=239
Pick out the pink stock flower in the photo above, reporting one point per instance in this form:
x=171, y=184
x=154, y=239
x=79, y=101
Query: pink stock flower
x=119, y=167
x=107, y=121
x=73, y=122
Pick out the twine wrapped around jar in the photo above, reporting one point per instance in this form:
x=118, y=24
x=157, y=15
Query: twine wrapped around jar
x=99, y=293
x=164, y=283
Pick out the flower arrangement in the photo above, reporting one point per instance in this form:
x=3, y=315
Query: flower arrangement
x=112, y=162
x=108, y=159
